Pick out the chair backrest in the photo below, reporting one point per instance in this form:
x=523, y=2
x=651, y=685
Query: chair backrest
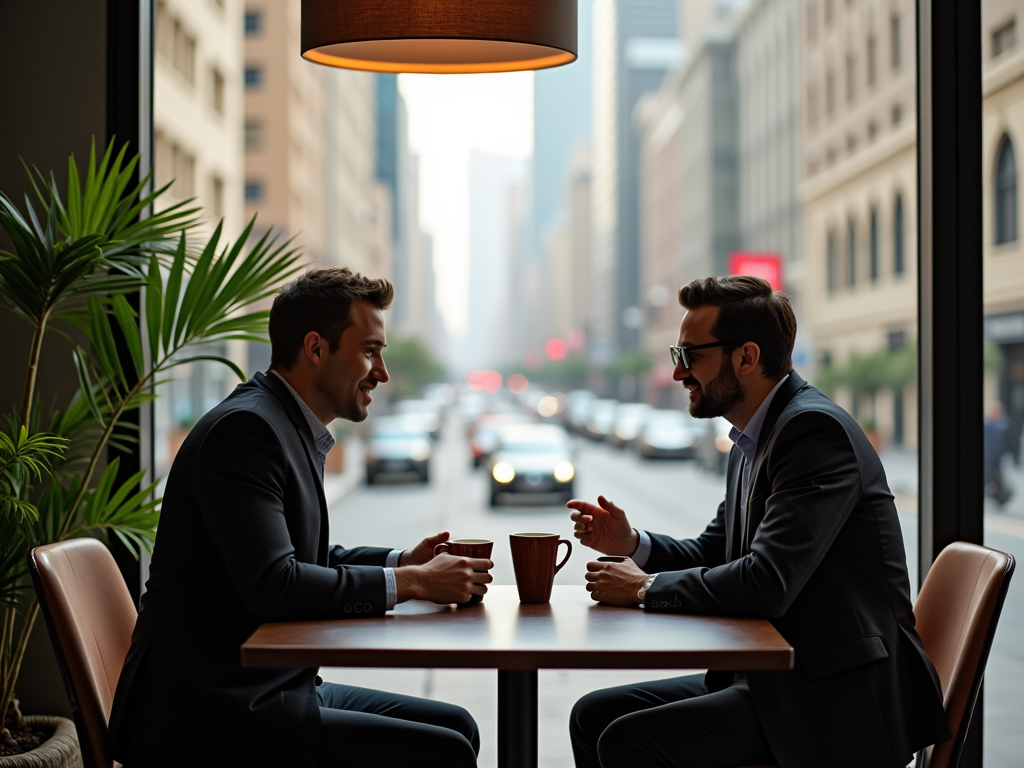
x=90, y=616
x=957, y=611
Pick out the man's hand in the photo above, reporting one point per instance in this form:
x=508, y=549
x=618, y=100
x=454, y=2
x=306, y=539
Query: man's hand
x=615, y=583
x=604, y=528
x=424, y=551
x=445, y=579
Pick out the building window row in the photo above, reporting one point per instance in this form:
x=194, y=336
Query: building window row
x=843, y=270
x=175, y=165
x=174, y=43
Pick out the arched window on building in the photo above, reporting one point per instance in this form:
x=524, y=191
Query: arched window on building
x=1006, y=192
x=851, y=253
x=831, y=265
x=899, y=260
x=874, y=245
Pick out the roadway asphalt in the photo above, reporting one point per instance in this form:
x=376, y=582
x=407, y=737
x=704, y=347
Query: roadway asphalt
x=675, y=497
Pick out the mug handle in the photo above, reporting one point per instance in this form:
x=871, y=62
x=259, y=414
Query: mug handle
x=442, y=547
x=568, y=552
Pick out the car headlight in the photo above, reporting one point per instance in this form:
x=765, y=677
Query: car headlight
x=420, y=451
x=503, y=472
x=564, y=471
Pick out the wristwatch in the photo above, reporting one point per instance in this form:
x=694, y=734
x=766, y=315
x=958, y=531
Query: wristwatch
x=642, y=592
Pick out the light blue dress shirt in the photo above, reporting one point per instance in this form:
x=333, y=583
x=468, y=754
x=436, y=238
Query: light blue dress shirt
x=324, y=441
x=747, y=443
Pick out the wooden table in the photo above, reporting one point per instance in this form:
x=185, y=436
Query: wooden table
x=570, y=632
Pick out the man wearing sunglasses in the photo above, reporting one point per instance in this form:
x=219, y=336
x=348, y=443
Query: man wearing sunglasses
x=807, y=537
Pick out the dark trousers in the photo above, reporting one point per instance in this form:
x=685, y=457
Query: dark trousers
x=668, y=723
x=361, y=727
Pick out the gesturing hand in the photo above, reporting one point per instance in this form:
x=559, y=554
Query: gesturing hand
x=424, y=551
x=615, y=583
x=604, y=528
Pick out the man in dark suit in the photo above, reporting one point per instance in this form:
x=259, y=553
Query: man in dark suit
x=807, y=537
x=243, y=540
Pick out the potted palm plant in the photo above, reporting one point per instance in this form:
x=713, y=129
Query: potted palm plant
x=76, y=260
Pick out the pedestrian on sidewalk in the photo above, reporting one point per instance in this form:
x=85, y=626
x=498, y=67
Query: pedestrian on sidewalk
x=997, y=445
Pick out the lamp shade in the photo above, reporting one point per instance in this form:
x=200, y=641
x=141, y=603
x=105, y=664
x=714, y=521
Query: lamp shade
x=439, y=36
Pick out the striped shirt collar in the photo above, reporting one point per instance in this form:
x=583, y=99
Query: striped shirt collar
x=322, y=437
x=753, y=431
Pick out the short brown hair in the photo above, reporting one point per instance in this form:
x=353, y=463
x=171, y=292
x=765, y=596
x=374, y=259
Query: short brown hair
x=750, y=311
x=320, y=300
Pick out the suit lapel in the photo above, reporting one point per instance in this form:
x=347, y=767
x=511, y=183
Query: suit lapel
x=786, y=393
x=279, y=390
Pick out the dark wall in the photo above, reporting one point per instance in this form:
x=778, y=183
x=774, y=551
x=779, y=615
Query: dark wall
x=53, y=53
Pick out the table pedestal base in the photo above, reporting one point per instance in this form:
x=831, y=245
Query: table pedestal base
x=517, y=718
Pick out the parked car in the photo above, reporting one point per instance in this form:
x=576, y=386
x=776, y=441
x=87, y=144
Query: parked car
x=628, y=422
x=713, y=446
x=602, y=419
x=398, y=445
x=668, y=435
x=427, y=411
x=487, y=431
x=532, y=459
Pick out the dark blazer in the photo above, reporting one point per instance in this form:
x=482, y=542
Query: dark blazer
x=242, y=540
x=823, y=559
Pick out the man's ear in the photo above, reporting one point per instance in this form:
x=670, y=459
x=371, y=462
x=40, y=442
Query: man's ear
x=313, y=346
x=750, y=356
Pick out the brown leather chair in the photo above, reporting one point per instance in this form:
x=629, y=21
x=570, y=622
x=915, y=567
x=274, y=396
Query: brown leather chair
x=957, y=611
x=90, y=616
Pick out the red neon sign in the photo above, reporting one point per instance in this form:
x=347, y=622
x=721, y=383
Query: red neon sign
x=767, y=266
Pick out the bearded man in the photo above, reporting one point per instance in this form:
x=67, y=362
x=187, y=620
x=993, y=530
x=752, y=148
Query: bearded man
x=807, y=537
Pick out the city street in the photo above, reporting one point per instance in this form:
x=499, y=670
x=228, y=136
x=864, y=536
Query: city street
x=674, y=497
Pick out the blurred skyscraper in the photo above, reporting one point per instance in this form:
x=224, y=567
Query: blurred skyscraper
x=635, y=44
x=495, y=192
x=198, y=104
x=414, y=312
x=689, y=195
x=562, y=117
x=311, y=151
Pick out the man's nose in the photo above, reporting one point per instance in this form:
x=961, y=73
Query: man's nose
x=380, y=372
x=680, y=372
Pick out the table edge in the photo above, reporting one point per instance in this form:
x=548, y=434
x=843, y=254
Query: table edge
x=739, y=659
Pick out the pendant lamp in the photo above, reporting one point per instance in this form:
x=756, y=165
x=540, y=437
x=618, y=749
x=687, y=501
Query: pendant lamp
x=439, y=36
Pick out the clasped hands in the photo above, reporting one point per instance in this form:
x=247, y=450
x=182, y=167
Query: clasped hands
x=604, y=527
x=441, y=579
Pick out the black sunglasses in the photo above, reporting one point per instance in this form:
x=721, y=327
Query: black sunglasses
x=682, y=354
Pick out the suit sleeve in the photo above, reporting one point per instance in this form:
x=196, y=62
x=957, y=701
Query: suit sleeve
x=240, y=491
x=815, y=484
x=338, y=555
x=708, y=549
